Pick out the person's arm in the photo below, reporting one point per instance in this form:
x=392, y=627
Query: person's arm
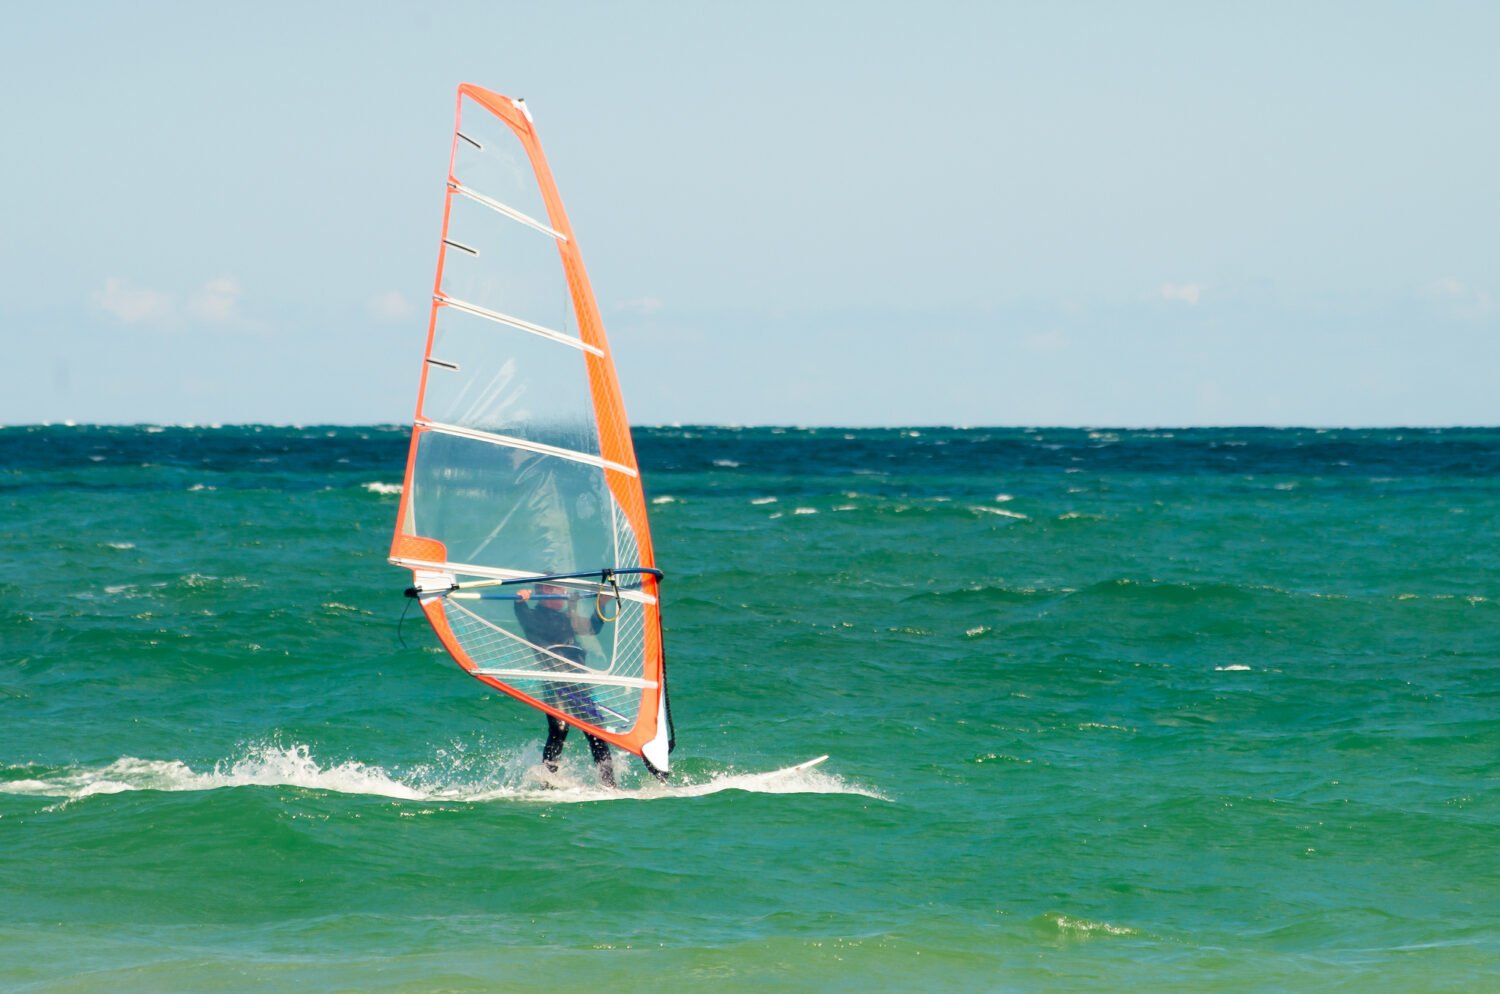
x=591, y=626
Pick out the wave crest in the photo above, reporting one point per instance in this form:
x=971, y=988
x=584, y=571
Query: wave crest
x=457, y=777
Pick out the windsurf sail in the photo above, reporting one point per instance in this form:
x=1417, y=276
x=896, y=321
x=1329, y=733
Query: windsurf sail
x=522, y=503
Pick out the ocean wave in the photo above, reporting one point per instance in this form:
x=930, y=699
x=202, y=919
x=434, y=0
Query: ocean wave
x=200, y=581
x=1070, y=925
x=455, y=777
x=1002, y=512
x=1172, y=592
x=981, y=594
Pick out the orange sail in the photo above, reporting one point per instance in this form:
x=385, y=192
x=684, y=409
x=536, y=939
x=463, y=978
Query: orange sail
x=522, y=492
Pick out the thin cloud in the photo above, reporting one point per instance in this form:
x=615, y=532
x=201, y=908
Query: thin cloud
x=389, y=305
x=134, y=304
x=1462, y=299
x=1186, y=293
x=1046, y=342
x=644, y=306
x=217, y=301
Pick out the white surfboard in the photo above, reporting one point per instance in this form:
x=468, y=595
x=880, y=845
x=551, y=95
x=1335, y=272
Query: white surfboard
x=800, y=766
x=561, y=787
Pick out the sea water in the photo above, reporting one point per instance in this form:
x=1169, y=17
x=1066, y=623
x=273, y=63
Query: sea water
x=1174, y=710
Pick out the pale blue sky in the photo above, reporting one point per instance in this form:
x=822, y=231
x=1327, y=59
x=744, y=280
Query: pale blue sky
x=981, y=214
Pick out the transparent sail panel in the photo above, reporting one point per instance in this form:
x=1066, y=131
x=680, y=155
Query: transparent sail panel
x=627, y=551
x=500, y=379
x=489, y=158
x=507, y=508
x=499, y=264
x=504, y=636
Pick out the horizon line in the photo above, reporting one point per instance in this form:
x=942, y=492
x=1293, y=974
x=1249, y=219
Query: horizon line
x=673, y=425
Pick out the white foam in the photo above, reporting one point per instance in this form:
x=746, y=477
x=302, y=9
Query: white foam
x=1002, y=512
x=262, y=766
x=664, y=499
x=1083, y=925
x=764, y=500
x=384, y=489
x=204, y=580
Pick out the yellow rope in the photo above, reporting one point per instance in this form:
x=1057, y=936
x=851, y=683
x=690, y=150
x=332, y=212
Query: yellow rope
x=599, y=602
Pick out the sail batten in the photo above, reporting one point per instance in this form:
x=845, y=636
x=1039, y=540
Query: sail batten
x=562, y=338
x=506, y=210
x=521, y=471
x=552, y=676
x=521, y=443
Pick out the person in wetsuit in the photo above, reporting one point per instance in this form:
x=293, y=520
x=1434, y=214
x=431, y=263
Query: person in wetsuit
x=554, y=625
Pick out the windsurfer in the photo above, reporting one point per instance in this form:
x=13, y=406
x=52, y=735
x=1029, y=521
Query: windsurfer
x=554, y=625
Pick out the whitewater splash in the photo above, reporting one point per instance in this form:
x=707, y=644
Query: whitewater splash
x=508, y=778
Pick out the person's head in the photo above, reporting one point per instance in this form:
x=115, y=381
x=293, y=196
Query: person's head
x=553, y=595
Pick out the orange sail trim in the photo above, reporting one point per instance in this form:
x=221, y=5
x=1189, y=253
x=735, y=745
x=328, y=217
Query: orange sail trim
x=427, y=555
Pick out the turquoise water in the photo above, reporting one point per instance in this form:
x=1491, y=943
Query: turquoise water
x=1189, y=710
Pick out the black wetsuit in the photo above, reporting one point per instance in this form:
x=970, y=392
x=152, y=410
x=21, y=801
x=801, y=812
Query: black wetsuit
x=553, y=630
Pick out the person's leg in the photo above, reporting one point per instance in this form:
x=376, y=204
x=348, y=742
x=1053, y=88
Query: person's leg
x=603, y=761
x=557, y=731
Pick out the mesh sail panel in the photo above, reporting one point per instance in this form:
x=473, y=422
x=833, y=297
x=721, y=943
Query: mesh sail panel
x=493, y=639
